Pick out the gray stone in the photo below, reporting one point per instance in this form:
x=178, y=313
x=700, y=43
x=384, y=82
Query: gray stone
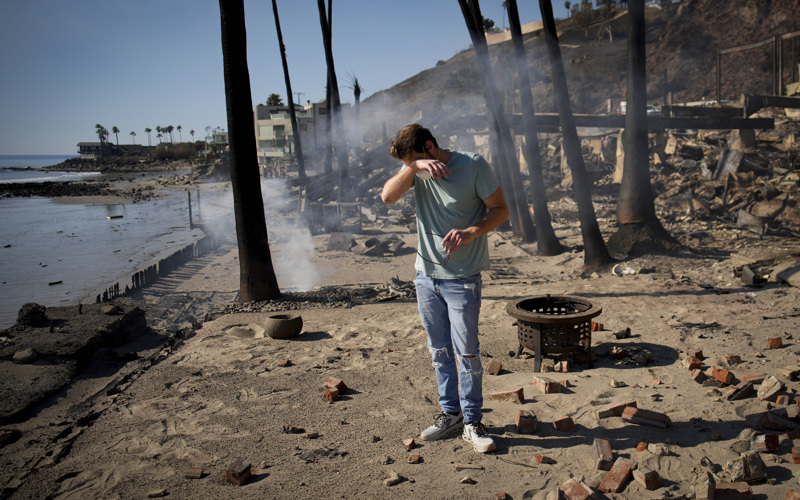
x=740, y=446
x=26, y=356
x=769, y=388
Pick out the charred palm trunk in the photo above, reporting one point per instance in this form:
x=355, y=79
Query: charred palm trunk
x=298, y=147
x=635, y=202
x=509, y=168
x=639, y=228
x=257, y=279
x=328, y=130
x=546, y=239
x=595, y=251
x=340, y=144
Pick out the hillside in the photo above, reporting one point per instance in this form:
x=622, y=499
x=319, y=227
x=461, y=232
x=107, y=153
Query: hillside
x=682, y=46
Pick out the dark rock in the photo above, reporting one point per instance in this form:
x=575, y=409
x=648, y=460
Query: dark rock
x=32, y=314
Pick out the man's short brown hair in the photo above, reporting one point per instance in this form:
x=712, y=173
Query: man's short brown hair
x=411, y=138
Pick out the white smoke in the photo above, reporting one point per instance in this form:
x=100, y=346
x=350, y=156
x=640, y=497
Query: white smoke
x=291, y=244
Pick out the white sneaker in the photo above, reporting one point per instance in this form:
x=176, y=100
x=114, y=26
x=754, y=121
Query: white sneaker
x=445, y=424
x=476, y=433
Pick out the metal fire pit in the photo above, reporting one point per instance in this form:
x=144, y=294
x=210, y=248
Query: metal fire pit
x=553, y=324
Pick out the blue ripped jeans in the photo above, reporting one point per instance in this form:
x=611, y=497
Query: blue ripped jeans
x=449, y=309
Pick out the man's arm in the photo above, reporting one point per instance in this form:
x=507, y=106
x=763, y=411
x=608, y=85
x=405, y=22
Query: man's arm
x=396, y=187
x=498, y=212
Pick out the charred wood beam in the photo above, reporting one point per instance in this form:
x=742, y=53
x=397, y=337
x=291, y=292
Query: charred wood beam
x=753, y=103
x=549, y=122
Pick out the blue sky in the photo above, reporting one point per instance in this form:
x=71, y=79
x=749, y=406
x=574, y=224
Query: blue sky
x=147, y=63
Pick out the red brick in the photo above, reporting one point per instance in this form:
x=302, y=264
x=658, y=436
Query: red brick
x=239, y=472
x=546, y=385
x=691, y=363
x=641, y=446
x=502, y=496
x=695, y=353
x=285, y=363
x=614, y=410
x=618, y=476
x=409, y=443
x=793, y=495
x=517, y=396
x=775, y=343
x=733, y=359
x=414, y=459
x=618, y=353
x=596, y=327
x=602, y=455
x=646, y=417
x=562, y=366
x=740, y=391
x=543, y=459
x=526, y=423
x=331, y=395
x=699, y=376
x=494, y=367
x=753, y=377
x=738, y=490
x=765, y=443
x=577, y=490
x=564, y=424
x=647, y=478
x=782, y=400
x=796, y=455
x=337, y=384
x=720, y=375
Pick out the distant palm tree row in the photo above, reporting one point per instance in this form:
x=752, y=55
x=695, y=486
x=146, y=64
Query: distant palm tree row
x=162, y=132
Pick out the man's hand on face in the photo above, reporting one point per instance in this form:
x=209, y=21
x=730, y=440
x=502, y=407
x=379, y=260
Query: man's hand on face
x=436, y=168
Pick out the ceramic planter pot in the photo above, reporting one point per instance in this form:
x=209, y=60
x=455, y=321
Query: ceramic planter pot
x=283, y=326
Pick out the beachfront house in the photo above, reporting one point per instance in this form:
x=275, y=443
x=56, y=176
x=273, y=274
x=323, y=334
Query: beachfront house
x=275, y=136
x=89, y=150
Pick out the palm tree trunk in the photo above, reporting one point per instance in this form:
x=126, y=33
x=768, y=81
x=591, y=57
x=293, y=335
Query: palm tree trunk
x=509, y=168
x=328, y=131
x=639, y=227
x=594, y=248
x=635, y=202
x=257, y=279
x=546, y=239
x=340, y=144
x=298, y=147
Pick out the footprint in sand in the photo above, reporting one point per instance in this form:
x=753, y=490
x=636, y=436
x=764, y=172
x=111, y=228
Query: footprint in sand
x=88, y=484
x=245, y=331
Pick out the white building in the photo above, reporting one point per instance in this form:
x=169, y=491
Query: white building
x=274, y=134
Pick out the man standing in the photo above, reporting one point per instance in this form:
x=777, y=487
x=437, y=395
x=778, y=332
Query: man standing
x=458, y=201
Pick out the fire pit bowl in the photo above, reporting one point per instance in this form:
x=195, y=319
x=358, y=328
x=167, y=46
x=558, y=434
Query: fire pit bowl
x=553, y=324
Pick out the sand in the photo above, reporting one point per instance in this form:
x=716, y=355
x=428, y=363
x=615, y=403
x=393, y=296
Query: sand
x=221, y=394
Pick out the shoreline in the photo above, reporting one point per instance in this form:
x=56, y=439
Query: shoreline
x=125, y=201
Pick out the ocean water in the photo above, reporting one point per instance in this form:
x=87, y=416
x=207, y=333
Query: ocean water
x=62, y=254
x=58, y=254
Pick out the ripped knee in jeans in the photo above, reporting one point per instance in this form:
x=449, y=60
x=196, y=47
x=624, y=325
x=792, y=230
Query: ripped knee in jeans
x=441, y=356
x=472, y=363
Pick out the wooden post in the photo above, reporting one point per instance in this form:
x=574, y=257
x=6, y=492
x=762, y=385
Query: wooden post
x=190, y=209
x=719, y=77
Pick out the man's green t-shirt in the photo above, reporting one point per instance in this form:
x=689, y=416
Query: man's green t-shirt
x=455, y=202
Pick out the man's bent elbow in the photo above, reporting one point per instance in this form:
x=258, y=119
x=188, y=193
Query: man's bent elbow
x=504, y=214
x=387, y=198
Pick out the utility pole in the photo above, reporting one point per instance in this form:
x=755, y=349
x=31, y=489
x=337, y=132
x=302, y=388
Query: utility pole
x=298, y=96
